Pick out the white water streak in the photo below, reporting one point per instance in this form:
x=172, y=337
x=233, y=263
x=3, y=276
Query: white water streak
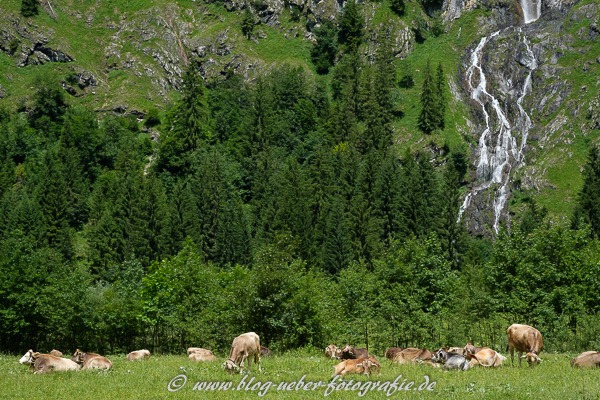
x=532, y=9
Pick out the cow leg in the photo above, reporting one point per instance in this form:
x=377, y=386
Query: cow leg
x=520, y=354
x=249, y=362
x=257, y=360
x=242, y=363
x=512, y=355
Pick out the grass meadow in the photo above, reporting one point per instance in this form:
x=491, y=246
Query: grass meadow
x=552, y=379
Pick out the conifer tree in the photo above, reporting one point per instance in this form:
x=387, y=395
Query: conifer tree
x=29, y=8
x=324, y=51
x=588, y=200
x=247, y=23
x=429, y=116
x=440, y=98
x=351, y=26
x=336, y=253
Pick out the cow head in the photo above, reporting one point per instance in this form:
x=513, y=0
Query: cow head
x=77, y=357
x=230, y=366
x=440, y=356
x=370, y=364
x=532, y=358
x=29, y=357
x=348, y=352
x=332, y=351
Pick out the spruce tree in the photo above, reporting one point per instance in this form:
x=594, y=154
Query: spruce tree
x=588, y=202
x=324, y=51
x=440, y=99
x=247, y=23
x=29, y=8
x=351, y=26
x=429, y=116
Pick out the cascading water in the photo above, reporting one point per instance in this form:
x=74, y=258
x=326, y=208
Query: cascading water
x=531, y=10
x=496, y=161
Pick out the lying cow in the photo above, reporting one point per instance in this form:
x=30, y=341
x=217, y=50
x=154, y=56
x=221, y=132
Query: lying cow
x=357, y=366
x=470, y=349
x=525, y=338
x=201, y=355
x=587, y=359
x=351, y=353
x=332, y=351
x=264, y=352
x=458, y=350
x=243, y=348
x=56, y=353
x=91, y=360
x=412, y=355
x=450, y=360
x=44, y=363
x=486, y=358
x=391, y=352
x=138, y=355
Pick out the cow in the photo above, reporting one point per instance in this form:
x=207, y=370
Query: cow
x=412, y=355
x=332, y=351
x=470, y=349
x=486, y=358
x=243, y=348
x=265, y=352
x=458, y=350
x=56, y=353
x=587, y=359
x=201, y=355
x=138, y=355
x=44, y=363
x=356, y=366
x=351, y=353
x=391, y=352
x=524, y=338
x=450, y=360
x=91, y=360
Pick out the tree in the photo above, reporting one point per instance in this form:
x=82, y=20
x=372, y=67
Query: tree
x=324, y=50
x=247, y=23
x=440, y=98
x=29, y=8
x=429, y=116
x=398, y=6
x=351, y=26
x=588, y=201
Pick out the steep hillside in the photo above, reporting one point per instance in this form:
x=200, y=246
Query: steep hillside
x=129, y=56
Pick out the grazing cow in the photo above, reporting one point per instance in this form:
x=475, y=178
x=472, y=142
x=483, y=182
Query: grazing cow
x=91, y=360
x=201, y=355
x=264, y=352
x=243, y=348
x=56, y=353
x=524, y=338
x=486, y=358
x=391, y=352
x=138, y=355
x=44, y=363
x=351, y=353
x=357, y=366
x=587, y=359
x=332, y=351
x=412, y=355
x=470, y=349
x=451, y=360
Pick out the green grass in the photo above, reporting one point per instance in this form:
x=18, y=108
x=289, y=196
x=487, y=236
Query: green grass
x=552, y=379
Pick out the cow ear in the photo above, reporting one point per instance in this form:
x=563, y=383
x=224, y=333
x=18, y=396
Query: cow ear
x=524, y=356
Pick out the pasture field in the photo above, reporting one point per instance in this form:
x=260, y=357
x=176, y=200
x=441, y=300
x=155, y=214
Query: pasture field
x=552, y=379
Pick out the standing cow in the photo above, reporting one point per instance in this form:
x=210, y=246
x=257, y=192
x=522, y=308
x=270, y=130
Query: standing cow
x=243, y=348
x=525, y=339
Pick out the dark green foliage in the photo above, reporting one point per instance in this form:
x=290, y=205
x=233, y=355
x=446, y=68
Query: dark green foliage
x=398, y=6
x=587, y=209
x=351, y=26
x=247, y=23
x=29, y=8
x=13, y=45
x=433, y=103
x=152, y=118
x=324, y=51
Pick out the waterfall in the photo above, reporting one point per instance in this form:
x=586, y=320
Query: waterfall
x=496, y=160
x=531, y=10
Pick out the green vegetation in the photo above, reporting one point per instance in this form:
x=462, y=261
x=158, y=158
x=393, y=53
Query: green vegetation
x=553, y=378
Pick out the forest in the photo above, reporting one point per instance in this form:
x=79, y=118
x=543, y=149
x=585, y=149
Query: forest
x=280, y=206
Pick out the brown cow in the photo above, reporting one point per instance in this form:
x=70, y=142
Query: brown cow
x=357, y=366
x=265, y=352
x=458, y=350
x=332, y=351
x=525, y=338
x=391, y=352
x=587, y=359
x=91, y=360
x=470, y=349
x=56, y=353
x=351, y=353
x=243, y=348
x=486, y=358
x=138, y=355
x=412, y=355
x=44, y=363
x=201, y=355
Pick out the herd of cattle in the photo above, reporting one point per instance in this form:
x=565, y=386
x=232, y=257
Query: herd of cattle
x=246, y=347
